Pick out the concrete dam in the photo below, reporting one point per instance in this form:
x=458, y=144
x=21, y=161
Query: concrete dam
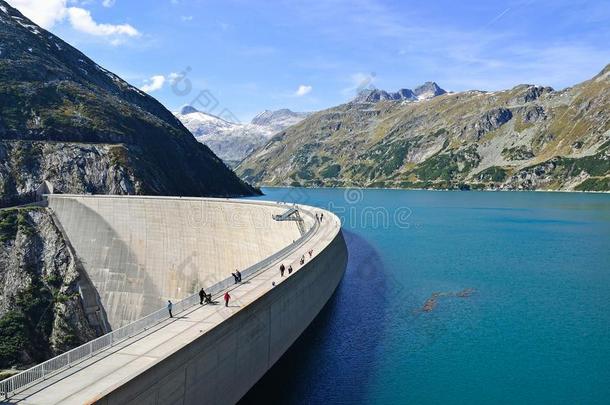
x=139, y=252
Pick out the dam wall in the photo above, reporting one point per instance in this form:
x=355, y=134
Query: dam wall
x=223, y=364
x=208, y=353
x=141, y=251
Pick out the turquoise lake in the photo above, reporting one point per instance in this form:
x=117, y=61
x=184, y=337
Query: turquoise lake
x=521, y=313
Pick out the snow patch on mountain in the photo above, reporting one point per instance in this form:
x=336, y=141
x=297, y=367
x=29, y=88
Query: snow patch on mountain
x=231, y=141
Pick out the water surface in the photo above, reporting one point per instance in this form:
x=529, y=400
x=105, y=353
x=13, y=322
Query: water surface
x=533, y=326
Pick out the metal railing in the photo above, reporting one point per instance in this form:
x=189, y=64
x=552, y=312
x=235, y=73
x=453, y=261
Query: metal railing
x=42, y=371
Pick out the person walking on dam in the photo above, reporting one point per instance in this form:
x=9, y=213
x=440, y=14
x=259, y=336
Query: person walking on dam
x=227, y=298
x=201, y=296
x=282, y=269
x=169, y=308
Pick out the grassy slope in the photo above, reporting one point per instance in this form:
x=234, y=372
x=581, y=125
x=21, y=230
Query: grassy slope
x=475, y=139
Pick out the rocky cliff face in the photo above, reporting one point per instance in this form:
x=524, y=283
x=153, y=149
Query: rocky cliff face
x=41, y=311
x=52, y=93
x=529, y=137
x=69, y=166
x=428, y=90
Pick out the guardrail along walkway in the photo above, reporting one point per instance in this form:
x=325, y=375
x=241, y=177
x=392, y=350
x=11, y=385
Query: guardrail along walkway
x=80, y=374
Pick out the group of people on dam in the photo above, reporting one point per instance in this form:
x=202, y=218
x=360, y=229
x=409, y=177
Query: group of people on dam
x=207, y=298
x=301, y=262
x=283, y=269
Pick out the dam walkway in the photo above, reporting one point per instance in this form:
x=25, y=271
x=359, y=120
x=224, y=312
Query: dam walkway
x=93, y=378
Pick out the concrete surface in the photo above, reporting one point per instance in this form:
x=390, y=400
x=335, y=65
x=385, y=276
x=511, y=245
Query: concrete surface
x=141, y=251
x=209, y=354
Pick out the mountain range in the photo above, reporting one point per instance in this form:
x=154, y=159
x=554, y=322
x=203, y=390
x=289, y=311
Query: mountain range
x=525, y=138
x=232, y=142
x=426, y=91
x=68, y=121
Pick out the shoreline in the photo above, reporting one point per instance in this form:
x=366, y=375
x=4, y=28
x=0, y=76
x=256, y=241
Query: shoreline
x=442, y=189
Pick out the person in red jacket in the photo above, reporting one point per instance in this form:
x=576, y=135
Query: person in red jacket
x=227, y=298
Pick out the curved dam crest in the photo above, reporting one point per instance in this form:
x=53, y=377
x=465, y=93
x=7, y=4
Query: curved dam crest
x=139, y=252
x=211, y=352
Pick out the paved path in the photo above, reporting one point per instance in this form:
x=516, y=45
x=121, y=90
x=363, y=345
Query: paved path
x=93, y=378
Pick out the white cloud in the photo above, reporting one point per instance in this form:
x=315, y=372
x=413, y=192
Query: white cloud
x=187, y=18
x=48, y=13
x=45, y=13
x=173, y=77
x=302, y=90
x=82, y=21
x=153, y=84
x=157, y=82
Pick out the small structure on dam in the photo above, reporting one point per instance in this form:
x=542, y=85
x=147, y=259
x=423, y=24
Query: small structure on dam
x=139, y=252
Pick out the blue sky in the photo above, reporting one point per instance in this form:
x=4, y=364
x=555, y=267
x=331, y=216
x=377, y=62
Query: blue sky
x=247, y=56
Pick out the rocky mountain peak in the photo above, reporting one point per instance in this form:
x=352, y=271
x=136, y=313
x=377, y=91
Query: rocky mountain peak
x=269, y=117
x=375, y=95
x=423, y=92
x=262, y=117
x=428, y=90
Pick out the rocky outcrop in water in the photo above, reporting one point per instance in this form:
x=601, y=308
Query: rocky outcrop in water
x=432, y=301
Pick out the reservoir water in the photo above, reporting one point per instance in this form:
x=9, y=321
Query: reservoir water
x=457, y=297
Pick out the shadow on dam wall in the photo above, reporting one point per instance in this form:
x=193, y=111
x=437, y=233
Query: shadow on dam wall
x=333, y=360
x=127, y=292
